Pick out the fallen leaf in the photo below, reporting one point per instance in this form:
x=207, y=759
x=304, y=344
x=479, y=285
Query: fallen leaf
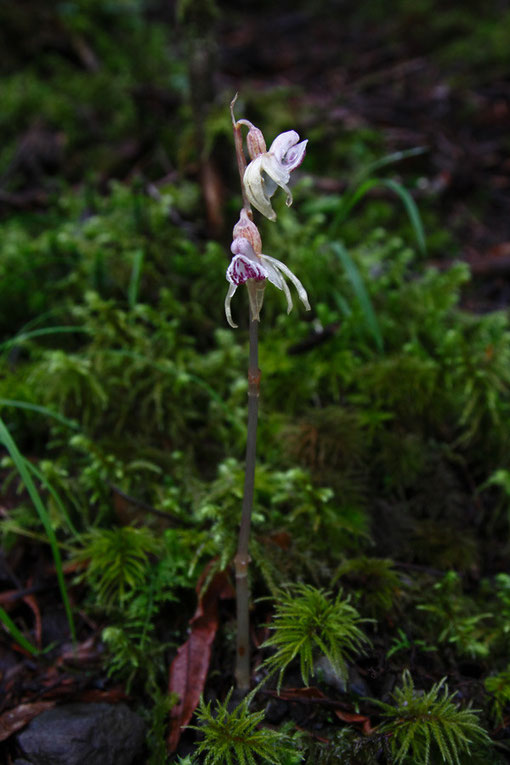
x=88, y=652
x=112, y=695
x=352, y=717
x=292, y=694
x=314, y=735
x=17, y=718
x=281, y=538
x=313, y=694
x=32, y=604
x=189, y=669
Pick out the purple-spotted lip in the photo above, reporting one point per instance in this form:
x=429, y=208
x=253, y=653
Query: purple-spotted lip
x=243, y=268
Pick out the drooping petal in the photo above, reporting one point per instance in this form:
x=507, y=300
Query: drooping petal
x=277, y=279
x=288, y=273
x=255, y=191
x=277, y=174
x=272, y=273
x=228, y=299
x=242, y=268
x=269, y=185
x=275, y=169
x=287, y=294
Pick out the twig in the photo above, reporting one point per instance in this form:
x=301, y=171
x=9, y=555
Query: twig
x=172, y=520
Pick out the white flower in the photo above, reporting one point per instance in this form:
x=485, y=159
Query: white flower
x=253, y=269
x=272, y=169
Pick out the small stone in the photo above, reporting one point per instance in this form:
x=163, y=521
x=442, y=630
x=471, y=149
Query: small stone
x=357, y=684
x=276, y=711
x=327, y=674
x=83, y=734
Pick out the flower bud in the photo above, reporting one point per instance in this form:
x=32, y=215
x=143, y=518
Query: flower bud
x=255, y=142
x=247, y=229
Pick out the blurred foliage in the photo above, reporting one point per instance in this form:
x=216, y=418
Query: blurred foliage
x=383, y=442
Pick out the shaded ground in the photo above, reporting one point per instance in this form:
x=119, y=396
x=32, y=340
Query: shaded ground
x=342, y=73
x=352, y=73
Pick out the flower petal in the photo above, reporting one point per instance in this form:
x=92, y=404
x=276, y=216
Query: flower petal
x=287, y=294
x=275, y=169
x=277, y=279
x=228, y=312
x=295, y=156
x=269, y=185
x=288, y=273
x=283, y=143
x=242, y=246
x=272, y=273
x=254, y=187
x=278, y=174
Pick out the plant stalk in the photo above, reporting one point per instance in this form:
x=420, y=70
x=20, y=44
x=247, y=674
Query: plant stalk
x=241, y=160
x=242, y=559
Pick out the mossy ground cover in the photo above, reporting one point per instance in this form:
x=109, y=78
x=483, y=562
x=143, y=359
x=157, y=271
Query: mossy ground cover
x=382, y=475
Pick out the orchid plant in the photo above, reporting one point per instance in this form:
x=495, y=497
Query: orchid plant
x=260, y=178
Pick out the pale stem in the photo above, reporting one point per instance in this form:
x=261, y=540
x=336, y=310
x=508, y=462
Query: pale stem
x=242, y=559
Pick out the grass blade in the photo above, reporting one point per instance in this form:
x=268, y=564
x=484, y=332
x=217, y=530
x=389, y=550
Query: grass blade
x=410, y=206
x=361, y=293
x=411, y=209
x=390, y=159
x=134, y=282
x=7, y=344
x=16, y=634
x=40, y=410
x=56, y=497
x=20, y=463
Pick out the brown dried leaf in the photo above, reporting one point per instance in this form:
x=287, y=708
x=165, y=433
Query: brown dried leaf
x=293, y=694
x=352, y=717
x=17, y=718
x=189, y=669
x=32, y=604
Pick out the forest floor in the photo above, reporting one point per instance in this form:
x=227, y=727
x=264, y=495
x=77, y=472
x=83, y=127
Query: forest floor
x=343, y=75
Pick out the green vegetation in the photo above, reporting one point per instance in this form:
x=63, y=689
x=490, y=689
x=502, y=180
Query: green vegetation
x=308, y=622
x=381, y=524
x=425, y=726
x=232, y=737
